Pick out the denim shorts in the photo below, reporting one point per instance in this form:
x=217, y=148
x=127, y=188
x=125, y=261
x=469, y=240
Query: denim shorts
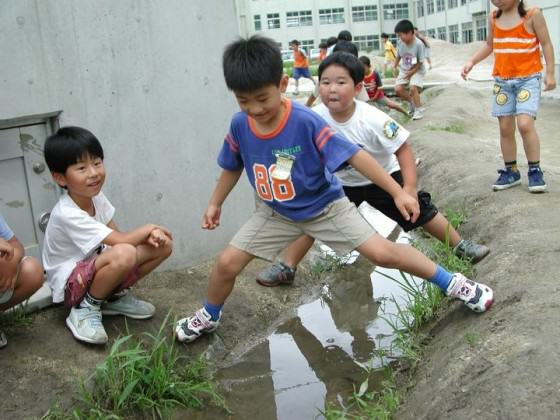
x=517, y=96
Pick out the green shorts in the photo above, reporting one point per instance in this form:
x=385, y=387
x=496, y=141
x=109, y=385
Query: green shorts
x=267, y=233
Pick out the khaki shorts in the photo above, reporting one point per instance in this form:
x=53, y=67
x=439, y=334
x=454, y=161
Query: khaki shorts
x=267, y=233
x=417, y=79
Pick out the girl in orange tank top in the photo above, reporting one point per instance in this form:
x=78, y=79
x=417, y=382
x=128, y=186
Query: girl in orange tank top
x=517, y=37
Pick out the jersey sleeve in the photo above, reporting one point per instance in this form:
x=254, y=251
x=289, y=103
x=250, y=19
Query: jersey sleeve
x=229, y=157
x=334, y=148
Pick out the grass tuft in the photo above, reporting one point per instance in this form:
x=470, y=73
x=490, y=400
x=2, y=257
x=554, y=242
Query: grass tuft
x=454, y=127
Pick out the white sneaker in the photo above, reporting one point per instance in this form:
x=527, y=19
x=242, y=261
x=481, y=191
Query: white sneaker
x=417, y=115
x=85, y=324
x=128, y=305
x=475, y=296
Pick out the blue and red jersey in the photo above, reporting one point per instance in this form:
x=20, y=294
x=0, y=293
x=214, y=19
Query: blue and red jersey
x=318, y=151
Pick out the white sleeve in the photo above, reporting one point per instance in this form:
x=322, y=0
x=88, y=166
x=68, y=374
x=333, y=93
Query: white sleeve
x=390, y=134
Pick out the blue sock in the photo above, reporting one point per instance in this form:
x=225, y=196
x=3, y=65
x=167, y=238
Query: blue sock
x=442, y=278
x=213, y=310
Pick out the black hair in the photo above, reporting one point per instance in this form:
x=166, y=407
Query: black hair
x=294, y=42
x=404, y=26
x=68, y=145
x=331, y=41
x=365, y=60
x=323, y=45
x=346, y=46
x=520, y=9
x=252, y=63
x=344, y=35
x=384, y=35
x=346, y=60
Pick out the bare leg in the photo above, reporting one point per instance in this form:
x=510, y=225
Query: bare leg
x=507, y=138
x=228, y=265
x=415, y=96
x=30, y=279
x=112, y=266
x=441, y=229
x=297, y=250
x=148, y=257
x=385, y=253
x=393, y=105
x=402, y=92
x=531, y=143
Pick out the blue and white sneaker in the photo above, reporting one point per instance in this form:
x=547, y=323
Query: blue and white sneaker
x=507, y=179
x=475, y=296
x=189, y=329
x=536, y=180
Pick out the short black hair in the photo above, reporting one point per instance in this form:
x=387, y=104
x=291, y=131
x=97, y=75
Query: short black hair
x=252, y=63
x=344, y=35
x=294, y=42
x=68, y=145
x=349, y=61
x=404, y=26
x=323, y=45
x=384, y=35
x=365, y=60
x=346, y=46
x=331, y=41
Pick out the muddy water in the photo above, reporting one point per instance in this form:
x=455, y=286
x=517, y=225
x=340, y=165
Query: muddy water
x=311, y=358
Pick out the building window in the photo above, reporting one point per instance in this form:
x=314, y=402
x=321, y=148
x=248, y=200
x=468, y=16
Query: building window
x=463, y=2
x=481, y=27
x=301, y=18
x=273, y=20
x=367, y=42
x=421, y=8
x=440, y=4
x=467, y=30
x=430, y=7
x=454, y=33
x=451, y=4
x=441, y=34
x=431, y=33
x=258, y=24
x=307, y=45
x=364, y=13
x=330, y=16
x=395, y=11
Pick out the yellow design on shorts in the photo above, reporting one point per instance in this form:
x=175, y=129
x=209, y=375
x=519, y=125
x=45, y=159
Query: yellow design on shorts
x=523, y=95
x=497, y=89
x=501, y=98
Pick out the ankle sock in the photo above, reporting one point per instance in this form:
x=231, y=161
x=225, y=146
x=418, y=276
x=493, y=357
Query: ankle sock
x=511, y=165
x=213, y=310
x=442, y=278
x=90, y=302
x=534, y=165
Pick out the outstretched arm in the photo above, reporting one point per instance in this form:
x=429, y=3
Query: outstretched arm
x=152, y=234
x=481, y=54
x=226, y=182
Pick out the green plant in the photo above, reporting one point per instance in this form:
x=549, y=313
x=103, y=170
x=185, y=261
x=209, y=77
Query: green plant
x=472, y=338
x=329, y=262
x=454, y=127
x=143, y=375
x=16, y=317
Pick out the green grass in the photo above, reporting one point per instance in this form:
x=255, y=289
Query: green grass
x=472, y=338
x=457, y=127
x=17, y=317
x=142, y=376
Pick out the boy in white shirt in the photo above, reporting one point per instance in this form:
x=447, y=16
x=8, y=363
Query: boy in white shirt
x=90, y=265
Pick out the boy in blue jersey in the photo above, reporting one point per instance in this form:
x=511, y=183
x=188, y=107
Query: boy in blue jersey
x=290, y=154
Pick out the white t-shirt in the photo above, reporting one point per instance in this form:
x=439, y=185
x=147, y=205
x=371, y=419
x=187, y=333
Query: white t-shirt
x=73, y=235
x=374, y=131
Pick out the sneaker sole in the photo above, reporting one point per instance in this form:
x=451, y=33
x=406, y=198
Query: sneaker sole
x=128, y=315
x=538, y=189
x=505, y=187
x=268, y=284
x=477, y=260
x=80, y=337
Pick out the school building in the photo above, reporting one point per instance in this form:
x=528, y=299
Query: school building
x=313, y=21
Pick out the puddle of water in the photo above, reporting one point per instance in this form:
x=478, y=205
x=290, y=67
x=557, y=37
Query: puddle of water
x=311, y=358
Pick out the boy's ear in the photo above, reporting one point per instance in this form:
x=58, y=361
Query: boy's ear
x=284, y=83
x=59, y=178
x=358, y=88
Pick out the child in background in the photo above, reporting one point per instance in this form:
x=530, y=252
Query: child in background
x=517, y=88
x=387, y=142
x=323, y=50
x=301, y=65
x=20, y=275
x=90, y=264
x=390, y=53
x=289, y=154
x=410, y=57
x=374, y=87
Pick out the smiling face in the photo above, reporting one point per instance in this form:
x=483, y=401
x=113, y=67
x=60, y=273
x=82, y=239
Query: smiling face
x=264, y=105
x=337, y=91
x=83, y=180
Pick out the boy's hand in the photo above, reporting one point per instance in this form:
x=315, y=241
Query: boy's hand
x=211, y=218
x=549, y=82
x=467, y=69
x=408, y=206
x=159, y=236
x=6, y=250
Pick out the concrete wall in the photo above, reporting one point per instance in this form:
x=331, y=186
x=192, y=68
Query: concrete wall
x=145, y=77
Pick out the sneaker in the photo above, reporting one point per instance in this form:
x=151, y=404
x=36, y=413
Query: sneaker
x=128, y=305
x=189, y=329
x=276, y=274
x=85, y=324
x=296, y=92
x=506, y=179
x=536, y=180
x=471, y=250
x=3, y=340
x=417, y=115
x=475, y=296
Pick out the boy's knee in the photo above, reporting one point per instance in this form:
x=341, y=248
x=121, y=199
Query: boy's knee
x=384, y=255
x=413, y=90
x=123, y=255
x=167, y=249
x=525, y=125
x=227, y=264
x=31, y=273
